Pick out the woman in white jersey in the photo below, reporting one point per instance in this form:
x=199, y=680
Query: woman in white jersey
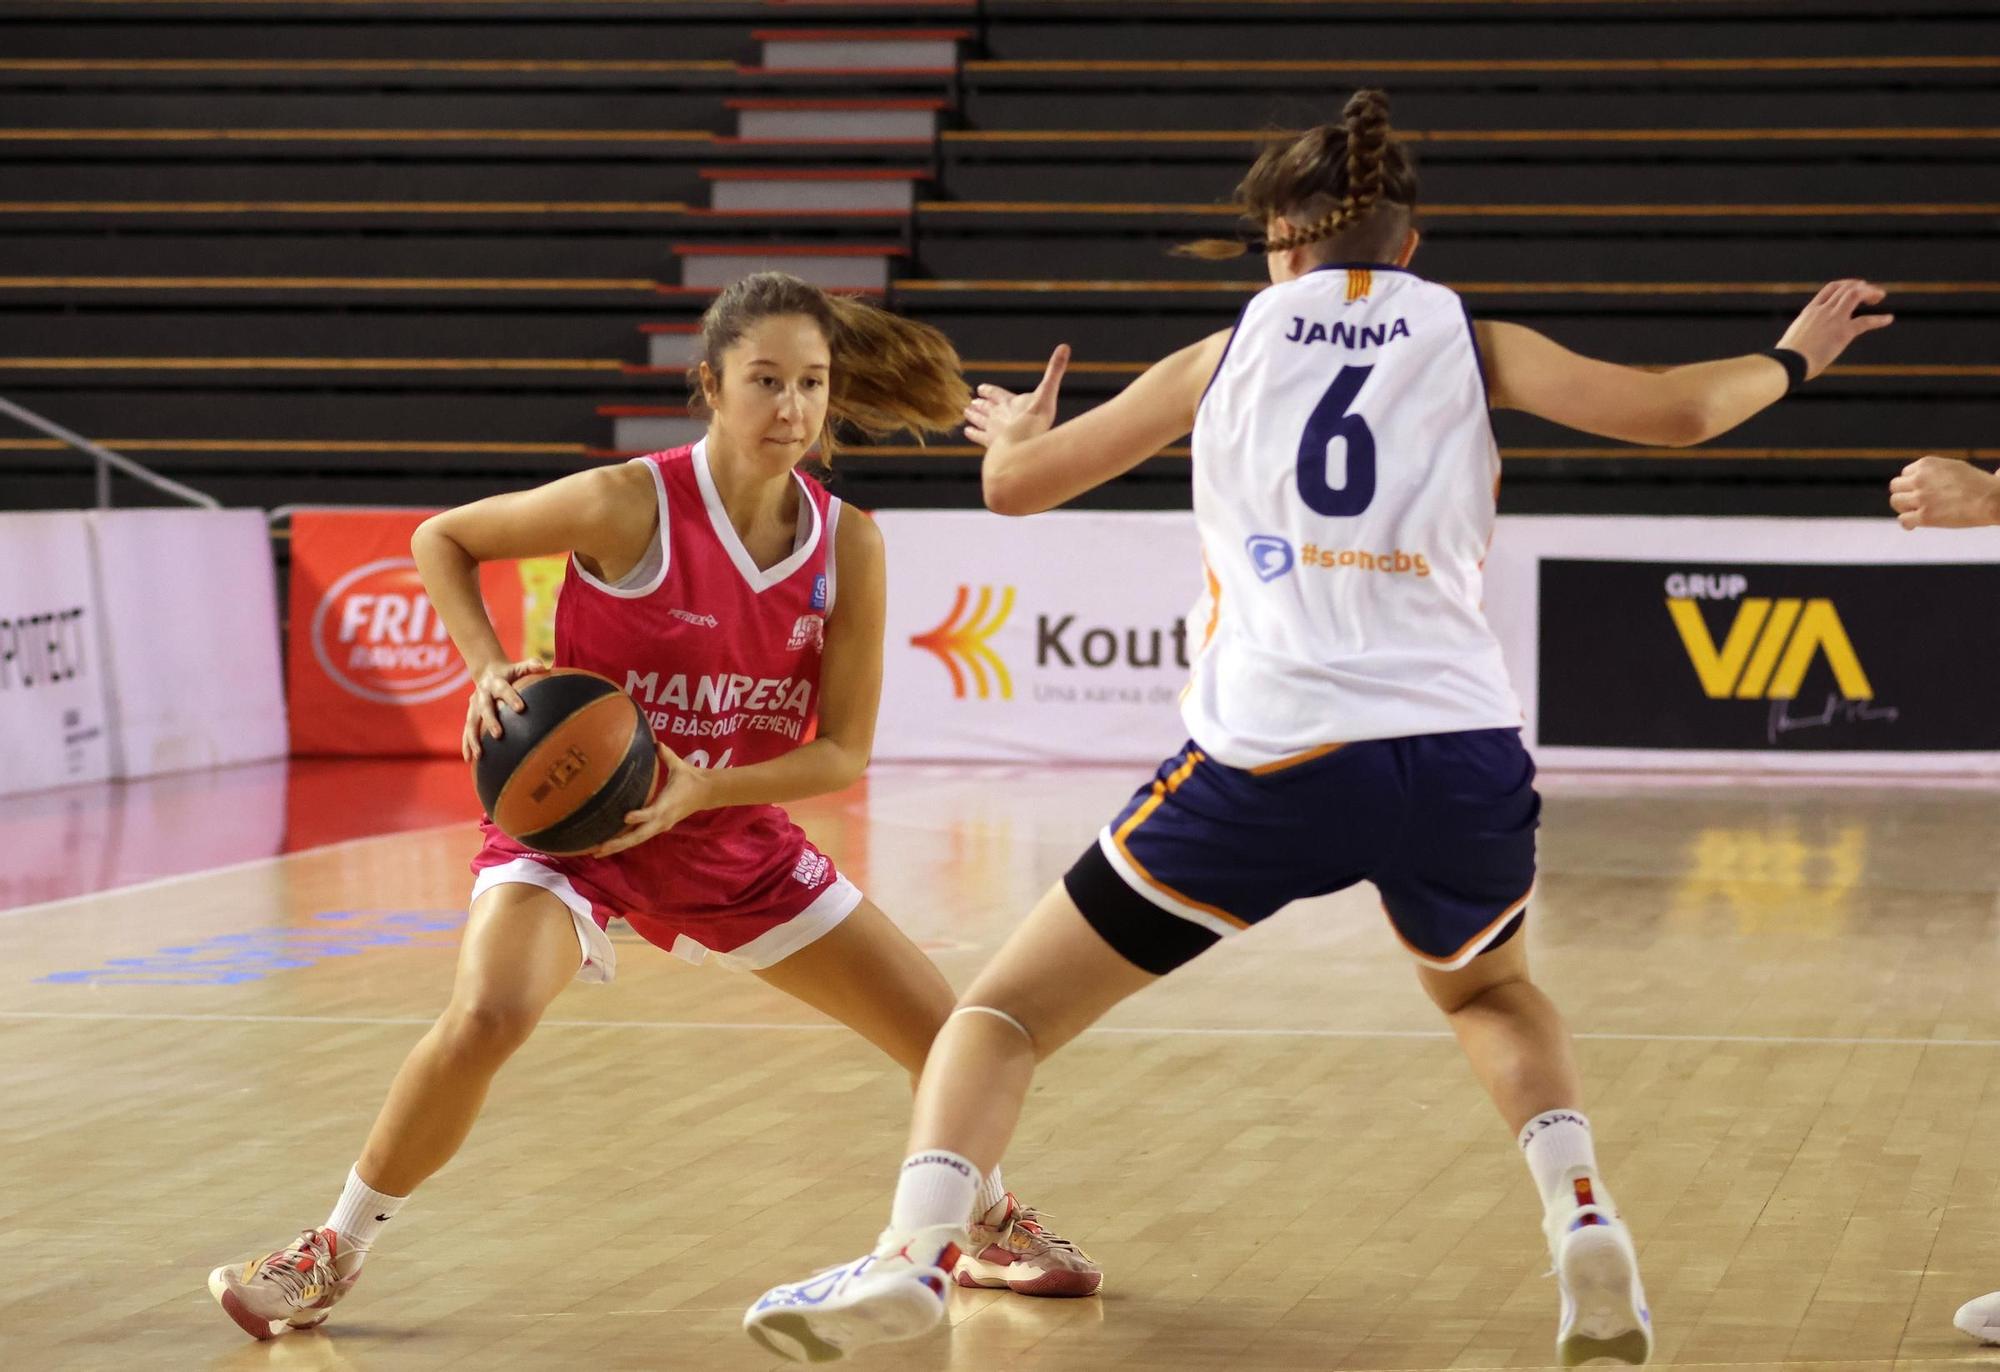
x=1350, y=717
x=1948, y=493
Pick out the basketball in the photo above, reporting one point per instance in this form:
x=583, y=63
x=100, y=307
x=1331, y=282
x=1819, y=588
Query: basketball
x=562, y=776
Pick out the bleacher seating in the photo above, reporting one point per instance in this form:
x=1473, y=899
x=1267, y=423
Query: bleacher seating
x=413, y=251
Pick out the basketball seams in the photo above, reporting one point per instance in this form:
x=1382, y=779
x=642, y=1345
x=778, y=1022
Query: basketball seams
x=584, y=711
x=612, y=799
x=536, y=764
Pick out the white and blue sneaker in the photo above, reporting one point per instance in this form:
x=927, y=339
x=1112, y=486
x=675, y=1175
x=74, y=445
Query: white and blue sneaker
x=897, y=1292
x=1980, y=1317
x=1604, y=1314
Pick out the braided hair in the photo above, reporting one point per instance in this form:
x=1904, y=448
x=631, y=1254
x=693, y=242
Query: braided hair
x=1353, y=178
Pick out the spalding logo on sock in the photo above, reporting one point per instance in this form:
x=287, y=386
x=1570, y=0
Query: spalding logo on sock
x=1542, y=1123
x=958, y=1165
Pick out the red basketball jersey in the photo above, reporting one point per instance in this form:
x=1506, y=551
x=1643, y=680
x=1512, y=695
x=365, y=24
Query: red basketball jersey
x=723, y=656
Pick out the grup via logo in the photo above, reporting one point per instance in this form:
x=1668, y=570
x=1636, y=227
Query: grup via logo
x=377, y=636
x=1769, y=646
x=1270, y=556
x=960, y=642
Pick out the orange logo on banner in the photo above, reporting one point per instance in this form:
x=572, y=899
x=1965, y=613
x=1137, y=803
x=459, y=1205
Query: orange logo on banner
x=371, y=668
x=962, y=638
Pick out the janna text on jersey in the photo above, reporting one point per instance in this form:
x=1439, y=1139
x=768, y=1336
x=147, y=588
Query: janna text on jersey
x=1346, y=335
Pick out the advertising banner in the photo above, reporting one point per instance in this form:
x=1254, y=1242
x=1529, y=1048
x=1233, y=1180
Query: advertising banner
x=54, y=724
x=1751, y=644
x=191, y=638
x=1057, y=638
x=371, y=669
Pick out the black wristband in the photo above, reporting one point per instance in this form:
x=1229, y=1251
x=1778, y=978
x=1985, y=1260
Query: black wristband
x=1794, y=363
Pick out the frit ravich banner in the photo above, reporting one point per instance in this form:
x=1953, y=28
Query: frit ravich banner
x=1057, y=638
x=1794, y=645
x=371, y=669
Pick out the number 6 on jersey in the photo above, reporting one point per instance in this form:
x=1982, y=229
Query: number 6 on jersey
x=1332, y=419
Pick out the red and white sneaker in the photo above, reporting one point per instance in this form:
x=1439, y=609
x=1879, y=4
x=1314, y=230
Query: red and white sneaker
x=1015, y=1249
x=897, y=1292
x=293, y=1288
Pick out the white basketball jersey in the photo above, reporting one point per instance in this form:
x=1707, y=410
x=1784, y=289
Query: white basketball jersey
x=1345, y=475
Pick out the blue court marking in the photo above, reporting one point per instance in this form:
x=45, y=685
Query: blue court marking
x=227, y=959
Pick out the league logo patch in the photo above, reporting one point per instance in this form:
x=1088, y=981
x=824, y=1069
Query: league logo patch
x=819, y=592
x=1270, y=556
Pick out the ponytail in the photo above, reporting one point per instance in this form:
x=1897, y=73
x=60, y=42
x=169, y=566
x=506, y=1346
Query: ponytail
x=1354, y=177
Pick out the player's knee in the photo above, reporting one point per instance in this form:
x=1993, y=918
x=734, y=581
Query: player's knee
x=985, y=1012
x=485, y=1031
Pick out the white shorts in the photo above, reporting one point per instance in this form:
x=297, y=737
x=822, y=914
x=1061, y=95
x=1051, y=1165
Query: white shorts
x=600, y=958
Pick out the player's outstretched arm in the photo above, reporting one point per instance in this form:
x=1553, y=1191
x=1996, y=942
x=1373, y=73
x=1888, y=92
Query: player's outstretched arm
x=1031, y=466
x=1945, y=493
x=1677, y=407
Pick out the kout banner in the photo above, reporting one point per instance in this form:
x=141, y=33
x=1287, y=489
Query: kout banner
x=371, y=669
x=1058, y=638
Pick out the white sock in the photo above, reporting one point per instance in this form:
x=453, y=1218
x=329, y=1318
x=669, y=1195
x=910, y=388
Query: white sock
x=1557, y=1146
x=361, y=1213
x=992, y=1195
x=934, y=1189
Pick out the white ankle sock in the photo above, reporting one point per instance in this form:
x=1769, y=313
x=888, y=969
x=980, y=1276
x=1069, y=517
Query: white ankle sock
x=992, y=1195
x=361, y=1213
x=935, y=1188
x=1557, y=1146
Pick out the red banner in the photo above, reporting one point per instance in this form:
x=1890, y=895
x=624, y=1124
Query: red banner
x=371, y=669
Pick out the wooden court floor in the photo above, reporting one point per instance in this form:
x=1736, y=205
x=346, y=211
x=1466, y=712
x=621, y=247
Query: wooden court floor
x=1788, y=999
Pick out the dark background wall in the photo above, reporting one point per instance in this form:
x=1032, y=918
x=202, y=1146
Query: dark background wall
x=404, y=252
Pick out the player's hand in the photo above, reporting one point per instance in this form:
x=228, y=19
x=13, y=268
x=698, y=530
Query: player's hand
x=1825, y=327
x=1944, y=493
x=997, y=414
x=684, y=791
x=494, y=684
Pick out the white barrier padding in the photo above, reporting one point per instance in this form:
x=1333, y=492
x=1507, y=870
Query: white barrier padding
x=53, y=725
x=1733, y=645
x=191, y=617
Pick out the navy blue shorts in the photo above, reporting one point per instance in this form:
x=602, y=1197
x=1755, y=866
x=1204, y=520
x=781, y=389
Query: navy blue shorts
x=1442, y=824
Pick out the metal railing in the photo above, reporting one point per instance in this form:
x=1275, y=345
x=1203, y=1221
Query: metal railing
x=107, y=461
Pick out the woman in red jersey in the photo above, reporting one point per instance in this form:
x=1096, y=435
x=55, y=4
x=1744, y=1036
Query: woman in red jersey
x=743, y=608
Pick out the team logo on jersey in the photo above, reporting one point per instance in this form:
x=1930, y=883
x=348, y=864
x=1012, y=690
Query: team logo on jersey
x=809, y=632
x=1768, y=647
x=1270, y=556
x=819, y=592
x=960, y=642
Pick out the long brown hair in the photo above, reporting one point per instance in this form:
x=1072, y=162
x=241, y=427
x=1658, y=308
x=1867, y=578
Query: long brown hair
x=889, y=375
x=1354, y=178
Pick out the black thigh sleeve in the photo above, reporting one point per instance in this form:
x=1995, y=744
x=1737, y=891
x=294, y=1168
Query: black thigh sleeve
x=1139, y=931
